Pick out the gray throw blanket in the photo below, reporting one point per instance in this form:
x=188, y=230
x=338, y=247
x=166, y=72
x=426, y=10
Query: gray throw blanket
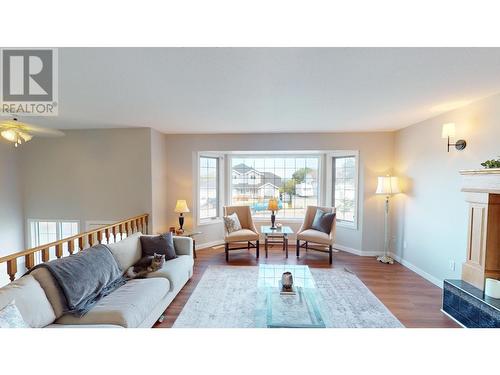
x=86, y=277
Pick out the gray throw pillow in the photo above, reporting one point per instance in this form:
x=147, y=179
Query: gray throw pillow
x=162, y=244
x=323, y=221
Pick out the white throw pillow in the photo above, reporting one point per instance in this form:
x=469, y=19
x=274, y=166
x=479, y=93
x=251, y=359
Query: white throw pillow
x=232, y=223
x=10, y=317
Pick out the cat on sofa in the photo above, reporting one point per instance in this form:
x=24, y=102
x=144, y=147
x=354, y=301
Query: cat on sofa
x=146, y=265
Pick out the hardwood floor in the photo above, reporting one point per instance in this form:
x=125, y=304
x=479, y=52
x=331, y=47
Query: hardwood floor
x=413, y=300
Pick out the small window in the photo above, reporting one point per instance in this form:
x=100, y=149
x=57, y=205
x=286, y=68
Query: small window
x=208, y=188
x=46, y=231
x=344, y=188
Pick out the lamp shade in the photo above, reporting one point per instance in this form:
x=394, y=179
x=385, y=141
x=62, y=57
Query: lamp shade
x=448, y=130
x=273, y=204
x=388, y=185
x=181, y=207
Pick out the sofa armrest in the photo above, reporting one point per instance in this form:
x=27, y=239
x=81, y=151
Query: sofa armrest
x=183, y=245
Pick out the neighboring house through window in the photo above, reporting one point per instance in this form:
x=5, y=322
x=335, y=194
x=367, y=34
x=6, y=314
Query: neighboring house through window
x=292, y=179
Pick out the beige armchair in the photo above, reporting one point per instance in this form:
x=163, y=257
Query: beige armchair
x=306, y=234
x=247, y=234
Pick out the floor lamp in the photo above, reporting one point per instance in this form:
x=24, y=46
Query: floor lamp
x=387, y=185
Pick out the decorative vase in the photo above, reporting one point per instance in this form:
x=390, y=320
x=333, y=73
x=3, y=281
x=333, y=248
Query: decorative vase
x=287, y=280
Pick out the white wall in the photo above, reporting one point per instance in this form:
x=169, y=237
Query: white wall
x=431, y=216
x=376, y=153
x=11, y=207
x=159, y=181
x=88, y=175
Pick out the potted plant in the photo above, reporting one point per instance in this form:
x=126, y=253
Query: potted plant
x=491, y=163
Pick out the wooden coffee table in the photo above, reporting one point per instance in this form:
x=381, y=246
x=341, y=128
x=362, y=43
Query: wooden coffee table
x=276, y=236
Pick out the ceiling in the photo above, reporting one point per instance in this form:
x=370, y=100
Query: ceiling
x=250, y=90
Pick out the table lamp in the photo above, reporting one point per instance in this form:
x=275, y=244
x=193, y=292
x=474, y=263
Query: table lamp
x=387, y=185
x=181, y=208
x=273, y=207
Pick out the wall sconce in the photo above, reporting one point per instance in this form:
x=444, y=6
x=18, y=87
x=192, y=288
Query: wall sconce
x=449, y=132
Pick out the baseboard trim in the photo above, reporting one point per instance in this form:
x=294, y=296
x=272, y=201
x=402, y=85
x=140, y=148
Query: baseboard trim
x=356, y=251
x=207, y=245
x=417, y=270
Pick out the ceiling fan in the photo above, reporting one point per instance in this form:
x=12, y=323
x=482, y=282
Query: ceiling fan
x=20, y=132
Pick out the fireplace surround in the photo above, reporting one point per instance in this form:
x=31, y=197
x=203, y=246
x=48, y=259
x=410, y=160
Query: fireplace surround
x=464, y=299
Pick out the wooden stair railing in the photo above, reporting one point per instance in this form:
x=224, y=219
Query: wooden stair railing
x=91, y=238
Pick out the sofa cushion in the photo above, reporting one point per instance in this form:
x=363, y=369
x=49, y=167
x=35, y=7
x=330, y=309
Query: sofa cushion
x=162, y=244
x=55, y=325
x=128, y=251
x=10, y=317
x=52, y=290
x=242, y=235
x=127, y=306
x=177, y=271
x=315, y=236
x=31, y=301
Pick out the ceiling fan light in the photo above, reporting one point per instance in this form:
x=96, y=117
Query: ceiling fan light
x=25, y=136
x=10, y=135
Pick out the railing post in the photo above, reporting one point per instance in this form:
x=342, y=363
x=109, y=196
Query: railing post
x=114, y=233
x=46, y=254
x=59, y=251
x=71, y=246
x=99, y=237
x=12, y=268
x=106, y=232
x=147, y=224
x=29, y=260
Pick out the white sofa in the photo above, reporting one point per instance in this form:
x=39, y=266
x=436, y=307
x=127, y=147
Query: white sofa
x=137, y=304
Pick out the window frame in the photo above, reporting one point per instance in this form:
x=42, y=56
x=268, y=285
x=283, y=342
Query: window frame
x=58, y=222
x=220, y=188
x=268, y=154
x=330, y=185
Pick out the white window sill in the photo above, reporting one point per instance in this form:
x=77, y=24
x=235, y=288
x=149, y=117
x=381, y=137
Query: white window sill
x=347, y=225
x=210, y=222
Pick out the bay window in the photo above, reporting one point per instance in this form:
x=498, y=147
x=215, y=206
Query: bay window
x=295, y=179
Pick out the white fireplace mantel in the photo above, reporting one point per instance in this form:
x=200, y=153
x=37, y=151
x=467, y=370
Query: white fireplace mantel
x=481, y=180
x=482, y=192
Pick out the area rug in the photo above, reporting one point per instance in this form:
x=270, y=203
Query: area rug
x=227, y=297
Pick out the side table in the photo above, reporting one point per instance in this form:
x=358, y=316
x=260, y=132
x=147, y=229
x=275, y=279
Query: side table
x=276, y=236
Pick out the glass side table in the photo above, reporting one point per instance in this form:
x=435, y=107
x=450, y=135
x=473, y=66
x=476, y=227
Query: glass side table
x=276, y=236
